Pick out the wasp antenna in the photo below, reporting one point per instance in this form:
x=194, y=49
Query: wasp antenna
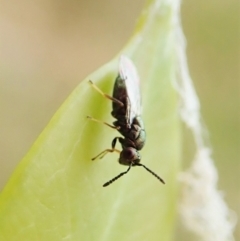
x=153, y=173
x=118, y=176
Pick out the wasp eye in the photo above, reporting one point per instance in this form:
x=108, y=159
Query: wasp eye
x=128, y=153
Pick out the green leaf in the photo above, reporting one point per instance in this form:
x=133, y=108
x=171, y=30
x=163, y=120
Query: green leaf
x=56, y=191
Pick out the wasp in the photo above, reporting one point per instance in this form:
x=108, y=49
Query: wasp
x=126, y=109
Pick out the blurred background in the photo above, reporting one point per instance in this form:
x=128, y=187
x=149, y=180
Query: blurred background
x=49, y=46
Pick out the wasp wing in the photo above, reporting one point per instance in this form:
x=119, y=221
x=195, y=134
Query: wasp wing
x=128, y=72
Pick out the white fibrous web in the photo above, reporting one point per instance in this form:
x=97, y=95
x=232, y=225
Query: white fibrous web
x=202, y=208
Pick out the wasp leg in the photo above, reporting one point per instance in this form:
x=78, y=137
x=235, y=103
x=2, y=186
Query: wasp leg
x=103, y=153
x=103, y=122
x=105, y=95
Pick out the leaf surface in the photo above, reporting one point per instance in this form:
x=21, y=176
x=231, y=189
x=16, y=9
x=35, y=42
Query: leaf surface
x=56, y=191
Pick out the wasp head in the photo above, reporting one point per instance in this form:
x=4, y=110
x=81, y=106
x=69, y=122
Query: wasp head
x=129, y=155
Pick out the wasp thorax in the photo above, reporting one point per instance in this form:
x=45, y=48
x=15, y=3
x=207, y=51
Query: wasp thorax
x=129, y=155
